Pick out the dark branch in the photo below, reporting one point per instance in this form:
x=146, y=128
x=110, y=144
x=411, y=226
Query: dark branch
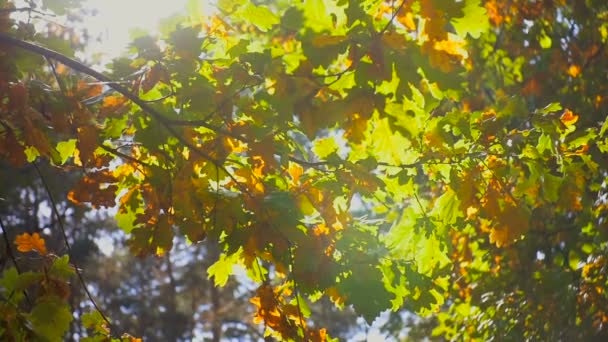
x=9, y=250
x=25, y=9
x=392, y=18
x=78, y=66
x=123, y=155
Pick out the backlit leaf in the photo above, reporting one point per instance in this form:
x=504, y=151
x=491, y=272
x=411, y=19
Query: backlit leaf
x=260, y=16
x=27, y=242
x=325, y=146
x=475, y=20
x=222, y=269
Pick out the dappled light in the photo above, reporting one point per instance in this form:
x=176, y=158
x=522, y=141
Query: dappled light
x=303, y=171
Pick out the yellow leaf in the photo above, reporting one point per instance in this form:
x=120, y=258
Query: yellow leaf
x=305, y=205
x=453, y=45
x=27, y=243
x=513, y=222
x=574, y=70
x=295, y=171
x=499, y=236
x=407, y=20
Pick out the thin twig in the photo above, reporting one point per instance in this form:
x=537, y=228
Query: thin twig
x=68, y=247
x=25, y=9
x=502, y=185
x=162, y=98
x=392, y=18
x=123, y=155
x=59, y=81
x=9, y=251
x=7, y=39
x=295, y=291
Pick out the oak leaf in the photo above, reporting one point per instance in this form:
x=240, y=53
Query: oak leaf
x=27, y=242
x=568, y=118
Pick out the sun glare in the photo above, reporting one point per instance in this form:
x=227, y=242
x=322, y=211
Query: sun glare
x=116, y=19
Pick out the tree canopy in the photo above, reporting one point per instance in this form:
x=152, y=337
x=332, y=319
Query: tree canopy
x=442, y=158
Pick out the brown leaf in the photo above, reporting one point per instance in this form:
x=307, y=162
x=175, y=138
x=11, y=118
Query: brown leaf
x=96, y=188
x=12, y=150
x=35, y=137
x=153, y=76
x=87, y=143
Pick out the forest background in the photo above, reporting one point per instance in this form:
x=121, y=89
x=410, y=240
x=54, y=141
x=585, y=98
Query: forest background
x=308, y=170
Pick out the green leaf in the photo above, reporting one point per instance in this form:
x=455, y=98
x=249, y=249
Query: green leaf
x=550, y=108
x=115, y=126
x=259, y=16
x=544, y=144
x=317, y=15
x=430, y=255
x=292, y=19
x=27, y=279
x=551, y=185
x=94, y=320
x=61, y=268
x=9, y=280
x=390, y=147
x=59, y=6
x=229, y=5
x=222, y=269
x=66, y=150
x=604, y=127
x=51, y=318
x=186, y=42
x=545, y=41
x=403, y=236
x=475, y=20
x=31, y=154
x=304, y=308
x=360, y=286
x=125, y=220
x=446, y=207
x=325, y=146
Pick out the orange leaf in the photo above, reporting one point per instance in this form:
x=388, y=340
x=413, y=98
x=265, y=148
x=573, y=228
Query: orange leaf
x=568, y=118
x=87, y=143
x=112, y=105
x=34, y=136
x=27, y=243
x=574, y=70
x=407, y=20
x=295, y=171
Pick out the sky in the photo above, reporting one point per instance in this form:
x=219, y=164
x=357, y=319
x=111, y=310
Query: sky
x=116, y=18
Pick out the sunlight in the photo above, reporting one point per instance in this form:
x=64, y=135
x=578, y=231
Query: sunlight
x=115, y=20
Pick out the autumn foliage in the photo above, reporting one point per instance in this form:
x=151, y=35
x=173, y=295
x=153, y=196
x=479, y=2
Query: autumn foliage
x=447, y=158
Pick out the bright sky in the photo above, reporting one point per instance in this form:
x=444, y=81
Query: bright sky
x=116, y=18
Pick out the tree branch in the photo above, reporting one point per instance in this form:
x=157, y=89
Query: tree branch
x=78, y=66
